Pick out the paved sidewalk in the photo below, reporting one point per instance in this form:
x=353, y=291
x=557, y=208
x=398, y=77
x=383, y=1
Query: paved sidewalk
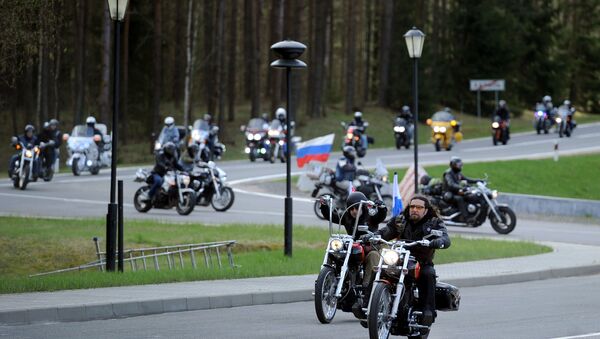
x=116, y=302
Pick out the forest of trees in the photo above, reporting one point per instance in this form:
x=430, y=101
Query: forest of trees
x=187, y=57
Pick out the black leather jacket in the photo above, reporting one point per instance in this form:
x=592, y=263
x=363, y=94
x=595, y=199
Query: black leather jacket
x=365, y=219
x=452, y=180
x=401, y=228
x=165, y=162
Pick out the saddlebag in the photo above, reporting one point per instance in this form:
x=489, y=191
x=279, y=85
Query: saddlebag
x=447, y=297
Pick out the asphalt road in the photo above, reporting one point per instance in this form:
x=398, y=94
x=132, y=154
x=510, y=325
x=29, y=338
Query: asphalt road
x=557, y=308
x=87, y=195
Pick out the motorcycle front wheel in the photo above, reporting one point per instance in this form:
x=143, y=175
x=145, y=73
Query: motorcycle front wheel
x=380, y=309
x=508, y=222
x=187, y=206
x=75, y=167
x=49, y=174
x=140, y=205
x=224, y=203
x=325, y=300
x=24, y=179
x=438, y=145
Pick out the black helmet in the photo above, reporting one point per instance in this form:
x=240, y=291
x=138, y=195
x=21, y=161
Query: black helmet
x=53, y=122
x=349, y=152
x=354, y=198
x=193, y=149
x=169, y=148
x=425, y=180
x=456, y=164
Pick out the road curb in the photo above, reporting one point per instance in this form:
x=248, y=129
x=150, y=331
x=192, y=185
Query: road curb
x=99, y=311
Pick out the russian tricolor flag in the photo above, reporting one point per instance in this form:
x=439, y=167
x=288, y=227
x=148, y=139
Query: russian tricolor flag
x=397, y=199
x=317, y=149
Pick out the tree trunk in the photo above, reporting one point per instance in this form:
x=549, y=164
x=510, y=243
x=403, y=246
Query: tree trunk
x=192, y=34
x=80, y=62
x=210, y=50
x=254, y=57
x=367, y=89
x=220, y=45
x=178, y=52
x=317, y=69
x=248, y=47
x=232, y=55
x=350, y=55
x=275, y=76
x=40, y=73
x=384, y=51
x=157, y=60
x=104, y=97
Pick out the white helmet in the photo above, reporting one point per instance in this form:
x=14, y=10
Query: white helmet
x=280, y=113
x=567, y=102
x=90, y=120
x=358, y=114
x=169, y=121
x=547, y=98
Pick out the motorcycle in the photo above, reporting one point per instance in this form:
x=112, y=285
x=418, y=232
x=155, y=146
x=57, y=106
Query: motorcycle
x=326, y=185
x=161, y=140
x=339, y=283
x=499, y=131
x=277, y=141
x=445, y=130
x=46, y=169
x=83, y=150
x=174, y=192
x=481, y=205
x=564, y=121
x=353, y=138
x=208, y=181
x=24, y=166
x=402, y=133
x=256, y=139
x=395, y=295
x=202, y=134
x=541, y=120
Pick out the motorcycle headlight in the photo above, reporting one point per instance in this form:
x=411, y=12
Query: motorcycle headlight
x=28, y=154
x=443, y=129
x=336, y=244
x=494, y=194
x=349, y=136
x=250, y=136
x=390, y=257
x=273, y=133
x=257, y=137
x=539, y=113
x=247, y=150
x=495, y=125
x=402, y=129
x=196, y=134
x=436, y=129
x=186, y=180
x=558, y=120
x=157, y=146
x=397, y=129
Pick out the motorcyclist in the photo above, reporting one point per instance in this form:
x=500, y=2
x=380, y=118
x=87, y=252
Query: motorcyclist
x=430, y=186
x=212, y=134
x=572, y=110
x=406, y=114
x=50, y=134
x=92, y=131
x=281, y=115
x=166, y=160
x=452, y=183
x=345, y=170
x=503, y=114
x=372, y=218
x=413, y=224
x=29, y=139
x=361, y=126
x=547, y=102
x=170, y=132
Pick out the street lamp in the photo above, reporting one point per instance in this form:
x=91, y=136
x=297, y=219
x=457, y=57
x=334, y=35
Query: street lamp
x=117, y=10
x=414, y=42
x=288, y=51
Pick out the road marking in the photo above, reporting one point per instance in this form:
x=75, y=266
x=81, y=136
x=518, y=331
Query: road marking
x=13, y=195
x=264, y=177
x=588, y=335
x=268, y=195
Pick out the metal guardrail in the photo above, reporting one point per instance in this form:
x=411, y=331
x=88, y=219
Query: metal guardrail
x=139, y=258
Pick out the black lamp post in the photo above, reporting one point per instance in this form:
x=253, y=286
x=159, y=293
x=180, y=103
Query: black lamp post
x=288, y=51
x=414, y=42
x=117, y=10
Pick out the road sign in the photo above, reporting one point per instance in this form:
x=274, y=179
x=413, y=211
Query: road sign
x=487, y=85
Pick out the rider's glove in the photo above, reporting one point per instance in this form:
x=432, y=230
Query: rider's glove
x=436, y=243
x=366, y=237
x=379, y=203
x=323, y=200
x=425, y=243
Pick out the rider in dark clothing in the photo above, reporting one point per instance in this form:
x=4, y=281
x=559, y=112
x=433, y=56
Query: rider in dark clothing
x=416, y=222
x=406, y=114
x=166, y=160
x=504, y=114
x=50, y=134
x=349, y=218
x=29, y=139
x=452, y=179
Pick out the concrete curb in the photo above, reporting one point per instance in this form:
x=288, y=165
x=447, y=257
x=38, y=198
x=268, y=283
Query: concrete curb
x=536, y=204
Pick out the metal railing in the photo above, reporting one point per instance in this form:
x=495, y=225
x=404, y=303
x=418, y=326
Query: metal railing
x=176, y=256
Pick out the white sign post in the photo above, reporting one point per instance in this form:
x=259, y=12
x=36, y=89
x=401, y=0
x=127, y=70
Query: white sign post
x=486, y=85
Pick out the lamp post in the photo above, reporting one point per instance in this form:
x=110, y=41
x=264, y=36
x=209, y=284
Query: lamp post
x=117, y=10
x=288, y=52
x=414, y=42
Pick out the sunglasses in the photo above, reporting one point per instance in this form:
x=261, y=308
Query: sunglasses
x=416, y=207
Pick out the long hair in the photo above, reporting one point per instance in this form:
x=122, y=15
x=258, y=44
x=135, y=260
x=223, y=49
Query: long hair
x=431, y=210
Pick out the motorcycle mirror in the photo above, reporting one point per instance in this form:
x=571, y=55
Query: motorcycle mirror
x=65, y=137
x=13, y=140
x=296, y=139
x=242, y=128
x=107, y=139
x=366, y=124
x=190, y=127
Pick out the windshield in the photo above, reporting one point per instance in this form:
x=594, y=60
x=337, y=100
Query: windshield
x=256, y=123
x=540, y=107
x=275, y=124
x=79, y=131
x=201, y=125
x=442, y=116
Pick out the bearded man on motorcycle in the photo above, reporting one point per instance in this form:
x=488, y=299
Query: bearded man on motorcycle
x=452, y=178
x=416, y=221
x=166, y=160
x=29, y=139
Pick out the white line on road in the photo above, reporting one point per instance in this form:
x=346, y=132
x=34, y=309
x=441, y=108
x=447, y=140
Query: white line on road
x=588, y=335
x=268, y=195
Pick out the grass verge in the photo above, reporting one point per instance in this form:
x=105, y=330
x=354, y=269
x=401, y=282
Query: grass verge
x=32, y=245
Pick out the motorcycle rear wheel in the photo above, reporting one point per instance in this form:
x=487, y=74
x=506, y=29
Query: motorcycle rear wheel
x=438, y=145
x=75, y=167
x=508, y=222
x=226, y=200
x=95, y=170
x=380, y=309
x=325, y=300
x=49, y=174
x=141, y=206
x=189, y=202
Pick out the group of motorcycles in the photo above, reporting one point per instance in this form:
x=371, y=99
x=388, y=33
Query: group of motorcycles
x=392, y=306
x=560, y=118
x=267, y=141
